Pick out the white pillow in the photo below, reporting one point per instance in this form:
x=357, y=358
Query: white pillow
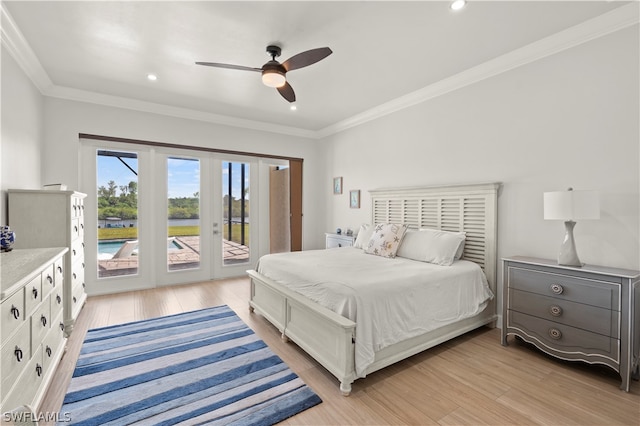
x=364, y=235
x=386, y=239
x=433, y=246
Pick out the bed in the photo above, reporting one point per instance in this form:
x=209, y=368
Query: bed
x=349, y=336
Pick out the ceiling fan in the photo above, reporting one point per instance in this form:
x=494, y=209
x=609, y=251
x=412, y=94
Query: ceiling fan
x=274, y=73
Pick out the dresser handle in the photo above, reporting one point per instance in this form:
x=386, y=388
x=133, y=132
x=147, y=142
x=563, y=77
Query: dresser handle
x=84, y=285
x=59, y=268
x=74, y=252
x=555, y=310
x=58, y=299
x=43, y=320
x=82, y=225
x=50, y=279
x=74, y=276
x=38, y=369
x=74, y=299
x=75, y=229
x=15, y=311
x=62, y=326
x=18, y=353
x=35, y=293
x=48, y=351
x=555, y=334
x=556, y=288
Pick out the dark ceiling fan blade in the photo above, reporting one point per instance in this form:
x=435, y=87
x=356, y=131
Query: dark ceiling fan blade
x=287, y=92
x=229, y=66
x=306, y=58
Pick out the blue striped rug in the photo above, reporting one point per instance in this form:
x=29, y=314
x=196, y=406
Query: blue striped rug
x=202, y=367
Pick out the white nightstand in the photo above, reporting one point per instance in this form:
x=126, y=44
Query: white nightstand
x=339, y=240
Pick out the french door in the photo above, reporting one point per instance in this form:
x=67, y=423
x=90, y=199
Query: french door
x=166, y=216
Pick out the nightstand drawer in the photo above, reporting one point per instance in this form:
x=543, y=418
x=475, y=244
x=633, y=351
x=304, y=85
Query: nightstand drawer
x=563, y=338
x=586, y=317
x=590, y=292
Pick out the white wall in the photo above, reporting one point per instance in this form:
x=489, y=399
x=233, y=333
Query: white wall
x=64, y=120
x=570, y=119
x=22, y=131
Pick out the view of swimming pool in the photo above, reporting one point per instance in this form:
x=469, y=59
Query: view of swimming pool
x=106, y=249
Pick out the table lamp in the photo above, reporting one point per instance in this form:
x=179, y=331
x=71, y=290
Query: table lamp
x=569, y=206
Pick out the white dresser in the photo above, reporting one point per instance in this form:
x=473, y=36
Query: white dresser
x=54, y=219
x=338, y=240
x=32, y=329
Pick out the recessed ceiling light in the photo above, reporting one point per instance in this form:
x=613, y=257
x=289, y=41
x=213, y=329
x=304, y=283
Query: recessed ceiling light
x=458, y=4
x=293, y=107
x=152, y=77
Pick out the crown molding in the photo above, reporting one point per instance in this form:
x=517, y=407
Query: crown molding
x=615, y=20
x=607, y=23
x=71, y=94
x=18, y=47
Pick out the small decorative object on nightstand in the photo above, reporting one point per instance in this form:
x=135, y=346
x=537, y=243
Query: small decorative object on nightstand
x=587, y=313
x=339, y=240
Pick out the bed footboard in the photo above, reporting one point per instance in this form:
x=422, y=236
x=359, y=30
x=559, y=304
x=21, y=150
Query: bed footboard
x=323, y=334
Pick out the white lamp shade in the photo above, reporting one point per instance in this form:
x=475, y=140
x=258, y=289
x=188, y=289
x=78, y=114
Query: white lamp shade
x=571, y=205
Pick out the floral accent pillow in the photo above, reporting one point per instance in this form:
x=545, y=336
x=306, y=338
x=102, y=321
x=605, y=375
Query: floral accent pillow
x=386, y=239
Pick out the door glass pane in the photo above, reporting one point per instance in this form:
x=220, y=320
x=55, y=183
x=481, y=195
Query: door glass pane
x=117, y=195
x=235, y=205
x=183, y=215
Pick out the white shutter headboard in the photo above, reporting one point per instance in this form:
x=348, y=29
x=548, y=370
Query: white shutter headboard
x=469, y=208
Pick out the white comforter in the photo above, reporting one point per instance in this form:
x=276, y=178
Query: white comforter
x=390, y=300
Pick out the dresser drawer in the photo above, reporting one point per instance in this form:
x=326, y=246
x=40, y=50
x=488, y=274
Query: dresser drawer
x=13, y=314
x=15, y=356
x=28, y=382
x=587, y=317
x=77, y=251
x=52, y=342
x=77, y=297
x=57, y=303
x=40, y=323
x=564, y=338
x=580, y=290
x=32, y=295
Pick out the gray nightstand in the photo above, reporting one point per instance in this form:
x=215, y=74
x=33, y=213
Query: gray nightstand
x=585, y=314
x=339, y=240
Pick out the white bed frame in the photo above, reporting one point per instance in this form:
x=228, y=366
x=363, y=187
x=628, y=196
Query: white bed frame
x=329, y=338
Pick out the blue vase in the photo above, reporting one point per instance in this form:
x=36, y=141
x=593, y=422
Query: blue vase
x=7, y=238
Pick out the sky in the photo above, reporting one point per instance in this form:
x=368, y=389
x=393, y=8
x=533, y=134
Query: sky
x=183, y=175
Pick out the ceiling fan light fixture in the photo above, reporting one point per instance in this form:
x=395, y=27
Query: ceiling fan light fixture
x=458, y=4
x=273, y=78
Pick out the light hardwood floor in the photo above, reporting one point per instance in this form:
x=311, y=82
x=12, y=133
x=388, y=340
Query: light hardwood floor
x=469, y=380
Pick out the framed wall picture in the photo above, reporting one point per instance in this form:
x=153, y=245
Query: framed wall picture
x=337, y=185
x=354, y=199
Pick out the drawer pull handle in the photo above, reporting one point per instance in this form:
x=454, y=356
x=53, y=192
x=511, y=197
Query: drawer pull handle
x=75, y=229
x=18, y=353
x=74, y=299
x=35, y=293
x=62, y=326
x=50, y=279
x=84, y=285
x=339, y=245
x=60, y=269
x=82, y=225
x=555, y=334
x=74, y=252
x=555, y=310
x=48, y=351
x=38, y=370
x=43, y=320
x=82, y=265
x=58, y=299
x=74, y=276
x=556, y=288
x=15, y=312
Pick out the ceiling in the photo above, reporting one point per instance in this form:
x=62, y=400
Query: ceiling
x=382, y=50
